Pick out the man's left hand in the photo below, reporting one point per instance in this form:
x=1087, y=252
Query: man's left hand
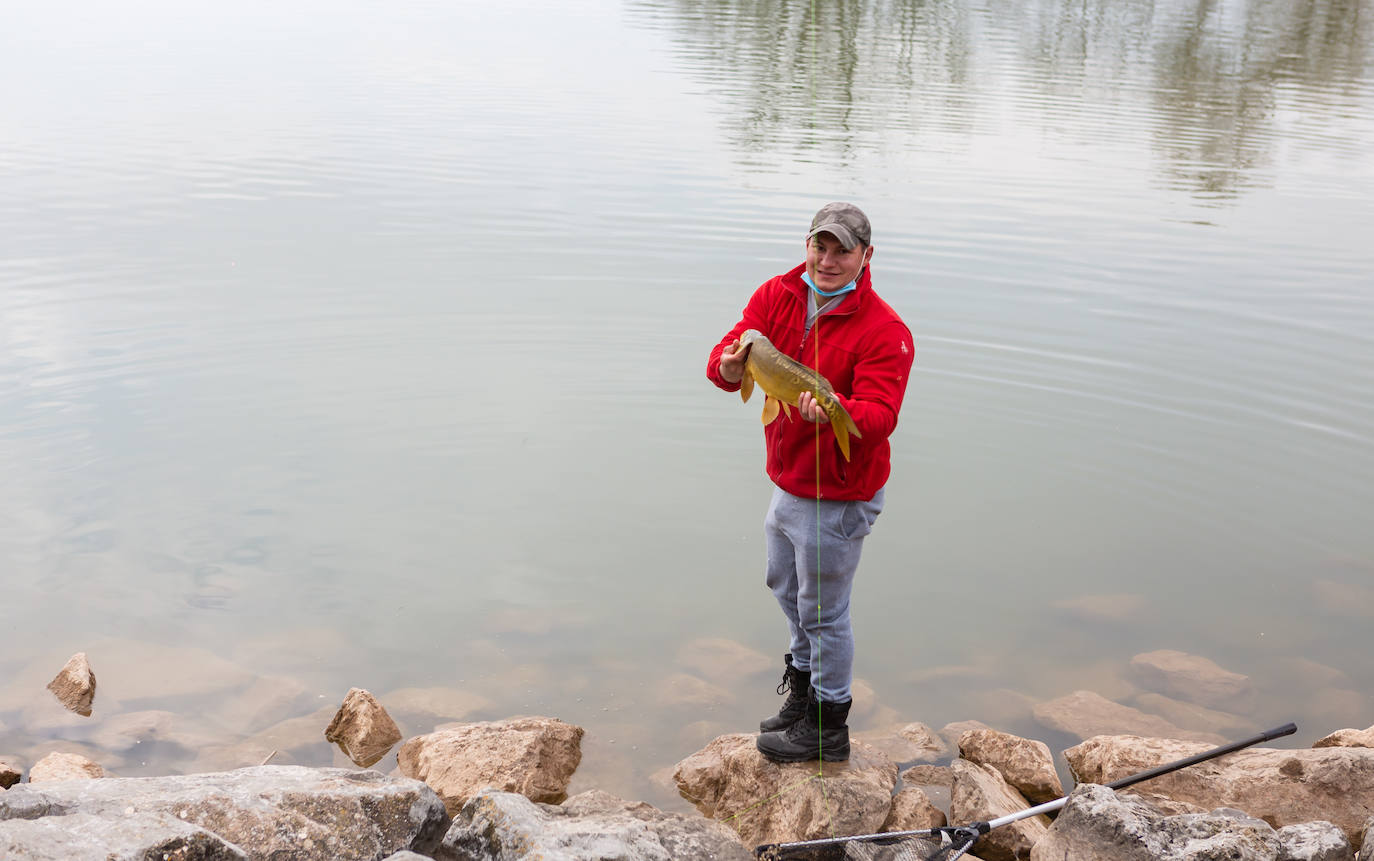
x=810, y=410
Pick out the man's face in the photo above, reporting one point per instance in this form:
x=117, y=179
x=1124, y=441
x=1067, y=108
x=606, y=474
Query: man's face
x=830, y=265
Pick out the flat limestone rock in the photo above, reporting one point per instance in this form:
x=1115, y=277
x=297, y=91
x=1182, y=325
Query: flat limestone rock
x=1025, y=764
x=64, y=766
x=87, y=837
x=74, y=685
x=769, y=802
x=496, y=826
x=534, y=756
x=266, y=812
x=362, y=728
x=1282, y=787
x=1085, y=714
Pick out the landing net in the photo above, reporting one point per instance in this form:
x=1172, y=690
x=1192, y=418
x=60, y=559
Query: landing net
x=907, y=848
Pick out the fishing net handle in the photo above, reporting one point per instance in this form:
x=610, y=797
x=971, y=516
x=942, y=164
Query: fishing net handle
x=1132, y=780
x=960, y=838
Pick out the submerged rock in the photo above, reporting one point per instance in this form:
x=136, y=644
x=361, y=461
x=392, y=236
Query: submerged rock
x=907, y=743
x=362, y=729
x=1086, y=714
x=264, y=812
x=769, y=802
x=74, y=685
x=1193, y=678
x=505, y=826
x=534, y=756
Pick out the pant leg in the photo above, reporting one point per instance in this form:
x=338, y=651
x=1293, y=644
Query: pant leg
x=826, y=572
x=813, y=555
x=781, y=575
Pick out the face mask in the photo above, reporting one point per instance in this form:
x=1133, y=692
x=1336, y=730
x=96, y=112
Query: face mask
x=806, y=276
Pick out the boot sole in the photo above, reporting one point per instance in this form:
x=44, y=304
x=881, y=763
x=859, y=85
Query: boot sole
x=827, y=755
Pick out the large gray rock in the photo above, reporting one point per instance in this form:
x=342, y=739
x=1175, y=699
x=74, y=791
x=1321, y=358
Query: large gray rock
x=87, y=837
x=1283, y=787
x=506, y=826
x=1314, y=841
x=297, y=812
x=1096, y=825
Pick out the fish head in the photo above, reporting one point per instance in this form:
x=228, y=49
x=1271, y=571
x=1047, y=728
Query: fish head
x=748, y=338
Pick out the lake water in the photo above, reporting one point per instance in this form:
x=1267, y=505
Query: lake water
x=361, y=344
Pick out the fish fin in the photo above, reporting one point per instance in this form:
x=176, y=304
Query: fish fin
x=746, y=385
x=770, y=409
x=786, y=408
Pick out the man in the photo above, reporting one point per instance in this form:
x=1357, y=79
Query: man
x=825, y=314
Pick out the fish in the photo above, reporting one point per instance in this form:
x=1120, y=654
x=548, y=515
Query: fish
x=783, y=379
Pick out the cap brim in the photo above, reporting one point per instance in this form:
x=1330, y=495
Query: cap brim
x=839, y=231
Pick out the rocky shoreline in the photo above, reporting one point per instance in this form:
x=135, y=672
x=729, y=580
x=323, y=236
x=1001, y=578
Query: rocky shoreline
x=499, y=790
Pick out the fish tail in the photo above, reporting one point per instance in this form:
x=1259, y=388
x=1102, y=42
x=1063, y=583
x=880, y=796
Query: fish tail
x=841, y=436
x=843, y=425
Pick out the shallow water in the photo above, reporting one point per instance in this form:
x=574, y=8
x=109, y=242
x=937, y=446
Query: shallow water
x=363, y=347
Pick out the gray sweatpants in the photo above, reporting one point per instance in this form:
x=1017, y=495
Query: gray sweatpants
x=813, y=553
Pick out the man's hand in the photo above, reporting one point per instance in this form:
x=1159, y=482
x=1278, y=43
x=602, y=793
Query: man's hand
x=732, y=362
x=810, y=410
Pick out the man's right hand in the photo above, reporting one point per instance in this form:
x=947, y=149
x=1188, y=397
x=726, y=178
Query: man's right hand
x=732, y=362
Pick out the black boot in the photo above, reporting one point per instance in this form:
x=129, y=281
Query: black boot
x=821, y=734
x=796, y=684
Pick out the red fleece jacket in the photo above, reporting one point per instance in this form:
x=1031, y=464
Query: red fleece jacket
x=865, y=350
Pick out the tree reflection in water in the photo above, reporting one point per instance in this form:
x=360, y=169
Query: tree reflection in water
x=1205, y=83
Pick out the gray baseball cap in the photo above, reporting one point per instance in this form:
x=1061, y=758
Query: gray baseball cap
x=845, y=220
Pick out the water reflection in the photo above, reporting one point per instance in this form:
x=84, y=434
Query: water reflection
x=1212, y=83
